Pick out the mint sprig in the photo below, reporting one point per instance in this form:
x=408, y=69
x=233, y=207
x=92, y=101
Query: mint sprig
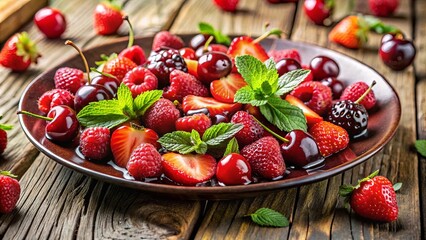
x=220, y=38
x=269, y=217
x=421, y=147
x=185, y=142
x=231, y=147
x=265, y=88
x=110, y=113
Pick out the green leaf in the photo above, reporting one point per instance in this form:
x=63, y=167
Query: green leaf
x=218, y=133
x=232, y=147
x=125, y=100
x=244, y=95
x=283, y=115
x=270, y=64
x=397, y=186
x=143, y=101
x=346, y=190
x=106, y=113
x=421, y=147
x=205, y=28
x=200, y=146
x=178, y=141
x=269, y=217
x=6, y=127
x=290, y=80
x=267, y=88
x=221, y=38
x=255, y=72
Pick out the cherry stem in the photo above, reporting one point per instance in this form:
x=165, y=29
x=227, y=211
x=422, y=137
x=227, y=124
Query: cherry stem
x=102, y=73
x=366, y=92
x=206, y=45
x=274, y=31
x=270, y=131
x=34, y=115
x=86, y=65
x=131, y=32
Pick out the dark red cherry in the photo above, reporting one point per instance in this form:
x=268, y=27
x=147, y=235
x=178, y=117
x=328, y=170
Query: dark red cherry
x=213, y=66
x=324, y=67
x=397, y=52
x=198, y=41
x=211, y=48
x=90, y=93
x=286, y=65
x=335, y=85
x=219, y=118
x=64, y=125
x=188, y=53
x=301, y=150
x=317, y=10
x=109, y=83
x=51, y=22
x=233, y=169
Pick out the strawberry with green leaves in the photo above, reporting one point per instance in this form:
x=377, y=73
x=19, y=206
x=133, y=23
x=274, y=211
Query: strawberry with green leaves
x=107, y=17
x=373, y=198
x=19, y=52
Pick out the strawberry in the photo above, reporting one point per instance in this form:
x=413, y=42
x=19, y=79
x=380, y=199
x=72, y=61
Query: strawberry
x=161, y=116
x=252, y=130
x=19, y=52
x=265, y=157
x=183, y=84
x=140, y=80
x=277, y=55
x=188, y=169
x=373, y=198
x=55, y=97
x=199, y=122
x=145, y=162
x=70, y=79
x=9, y=192
x=118, y=66
x=329, y=137
x=3, y=136
x=225, y=88
x=126, y=138
x=167, y=40
x=95, y=143
x=226, y=5
x=355, y=90
x=350, y=32
x=215, y=107
x=107, y=17
x=383, y=8
x=311, y=116
x=315, y=95
x=245, y=45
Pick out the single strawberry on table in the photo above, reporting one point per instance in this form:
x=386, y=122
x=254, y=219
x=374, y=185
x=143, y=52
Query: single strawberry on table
x=19, y=52
x=3, y=136
x=9, y=192
x=107, y=17
x=351, y=32
x=373, y=198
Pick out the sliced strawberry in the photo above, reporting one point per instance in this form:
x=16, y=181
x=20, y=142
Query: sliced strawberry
x=126, y=138
x=311, y=116
x=215, y=107
x=192, y=66
x=225, y=88
x=245, y=45
x=188, y=169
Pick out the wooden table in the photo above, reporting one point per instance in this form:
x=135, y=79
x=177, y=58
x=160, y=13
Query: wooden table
x=59, y=203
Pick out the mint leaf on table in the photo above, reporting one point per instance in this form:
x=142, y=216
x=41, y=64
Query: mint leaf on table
x=220, y=38
x=232, y=147
x=218, y=133
x=270, y=218
x=290, y=80
x=421, y=147
x=143, y=101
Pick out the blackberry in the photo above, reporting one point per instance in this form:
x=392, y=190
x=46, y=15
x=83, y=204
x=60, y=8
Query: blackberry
x=163, y=62
x=351, y=116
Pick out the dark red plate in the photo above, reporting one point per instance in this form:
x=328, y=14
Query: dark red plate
x=383, y=122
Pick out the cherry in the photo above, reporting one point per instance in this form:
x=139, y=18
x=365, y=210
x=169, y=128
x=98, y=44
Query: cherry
x=301, y=150
x=213, y=66
x=111, y=84
x=51, y=22
x=396, y=51
x=234, y=169
x=335, y=85
x=62, y=123
x=219, y=118
x=198, y=41
x=317, y=10
x=286, y=65
x=211, y=48
x=133, y=52
x=324, y=67
x=188, y=53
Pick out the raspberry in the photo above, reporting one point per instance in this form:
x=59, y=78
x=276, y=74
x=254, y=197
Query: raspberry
x=166, y=39
x=315, y=95
x=163, y=62
x=183, y=84
x=277, y=55
x=140, y=80
x=310, y=76
x=70, y=79
x=265, y=157
x=95, y=143
x=329, y=137
x=161, y=116
x=118, y=67
x=54, y=98
x=199, y=122
x=355, y=90
x=251, y=131
x=144, y=162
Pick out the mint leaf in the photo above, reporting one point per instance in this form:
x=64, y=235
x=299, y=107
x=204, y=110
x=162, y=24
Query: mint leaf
x=421, y=147
x=283, y=115
x=244, y=95
x=218, y=133
x=269, y=217
x=397, y=186
x=255, y=72
x=288, y=81
x=125, y=100
x=6, y=127
x=105, y=113
x=178, y=141
x=206, y=28
x=270, y=64
x=232, y=147
x=200, y=146
x=143, y=101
